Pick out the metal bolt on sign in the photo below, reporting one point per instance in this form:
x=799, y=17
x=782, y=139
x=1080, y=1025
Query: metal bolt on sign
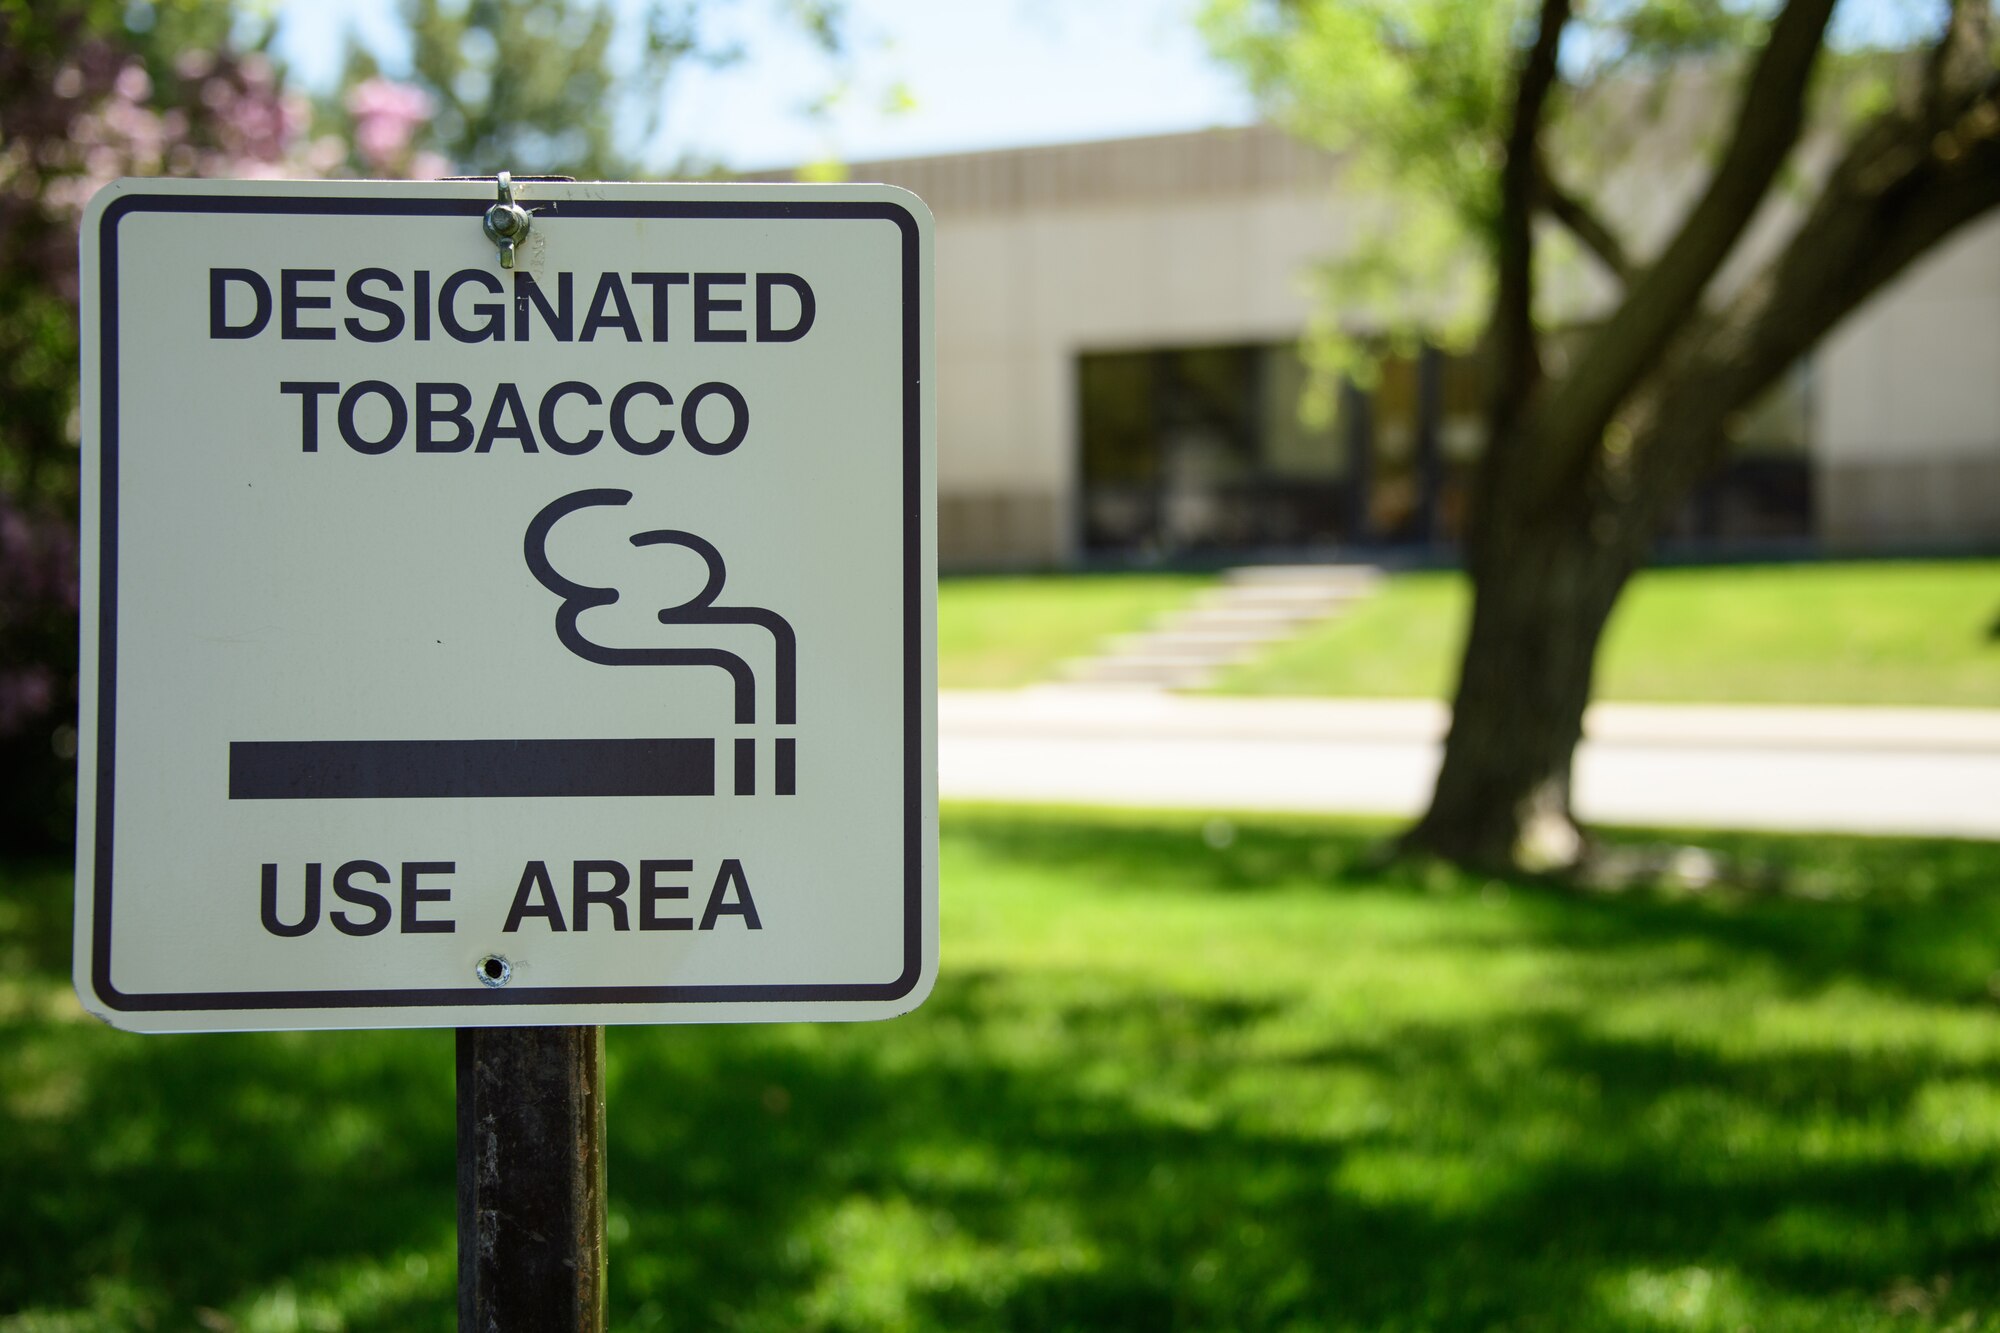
x=507, y=223
x=530, y=1123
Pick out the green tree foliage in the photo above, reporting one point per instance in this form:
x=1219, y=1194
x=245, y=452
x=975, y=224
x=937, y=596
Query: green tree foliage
x=1413, y=96
x=525, y=85
x=1416, y=95
x=545, y=86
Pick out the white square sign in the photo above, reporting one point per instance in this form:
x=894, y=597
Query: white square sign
x=480, y=645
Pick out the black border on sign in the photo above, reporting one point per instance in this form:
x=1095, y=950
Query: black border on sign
x=107, y=631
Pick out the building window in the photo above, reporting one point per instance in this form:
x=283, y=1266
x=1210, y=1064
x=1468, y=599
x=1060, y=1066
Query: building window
x=1196, y=451
x=1192, y=450
x=1204, y=449
x=1762, y=491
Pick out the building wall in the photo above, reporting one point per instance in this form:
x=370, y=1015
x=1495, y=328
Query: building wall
x=1907, y=441
x=1044, y=253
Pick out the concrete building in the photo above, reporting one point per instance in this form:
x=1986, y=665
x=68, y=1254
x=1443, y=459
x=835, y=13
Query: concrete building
x=1119, y=375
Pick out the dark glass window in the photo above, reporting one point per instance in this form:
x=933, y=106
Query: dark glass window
x=1194, y=450
x=1198, y=449
x=1762, y=492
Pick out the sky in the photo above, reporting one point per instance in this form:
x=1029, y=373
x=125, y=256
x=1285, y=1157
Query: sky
x=977, y=74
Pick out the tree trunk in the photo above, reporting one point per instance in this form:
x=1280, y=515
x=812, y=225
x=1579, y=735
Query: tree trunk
x=1542, y=593
x=1579, y=476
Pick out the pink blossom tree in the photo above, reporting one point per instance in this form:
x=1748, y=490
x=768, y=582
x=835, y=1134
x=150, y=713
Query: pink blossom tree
x=83, y=101
x=387, y=118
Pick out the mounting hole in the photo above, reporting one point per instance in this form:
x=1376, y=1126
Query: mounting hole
x=493, y=970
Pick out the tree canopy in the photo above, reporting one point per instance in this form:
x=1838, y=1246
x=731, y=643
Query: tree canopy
x=540, y=87
x=1493, y=123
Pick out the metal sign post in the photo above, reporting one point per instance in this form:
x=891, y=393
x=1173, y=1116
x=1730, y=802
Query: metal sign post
x=530, y=1125
x=531, y=1179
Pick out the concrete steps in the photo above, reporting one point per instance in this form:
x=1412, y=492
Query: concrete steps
x=1252, y=608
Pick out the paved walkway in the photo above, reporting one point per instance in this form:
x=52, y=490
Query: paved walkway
x=1862, y=770
x=1246, y=611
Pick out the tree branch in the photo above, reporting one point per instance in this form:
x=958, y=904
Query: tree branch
x=1962, y=58
x=1517, y=359
x=1586, y=224
x=1901, y=189
x=1768, y=121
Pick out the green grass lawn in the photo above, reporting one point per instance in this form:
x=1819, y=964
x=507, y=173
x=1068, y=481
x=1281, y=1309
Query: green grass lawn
x=1877, y=633
x=996, y=633
x=1175, y=1075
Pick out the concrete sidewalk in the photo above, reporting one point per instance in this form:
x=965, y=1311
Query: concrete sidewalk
x=1864, y=770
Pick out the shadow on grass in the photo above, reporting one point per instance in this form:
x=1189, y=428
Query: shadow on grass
x=1919, y=915
x=1088, y=1149
x=1018, y=1200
